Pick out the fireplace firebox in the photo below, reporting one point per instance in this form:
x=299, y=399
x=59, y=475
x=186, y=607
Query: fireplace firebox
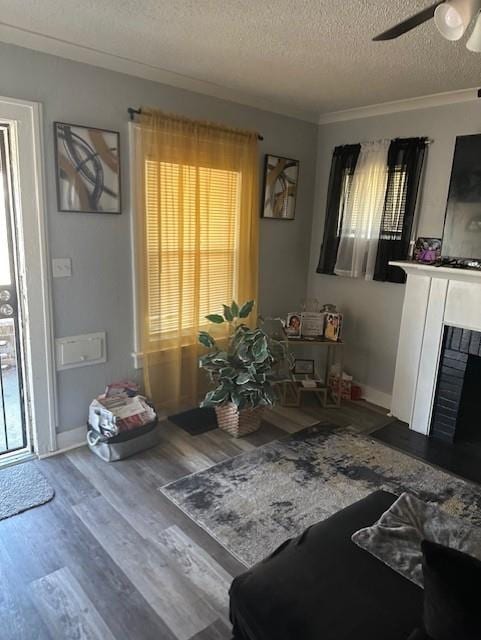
x=456, y=414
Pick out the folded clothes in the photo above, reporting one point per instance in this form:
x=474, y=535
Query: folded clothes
x=120, y=409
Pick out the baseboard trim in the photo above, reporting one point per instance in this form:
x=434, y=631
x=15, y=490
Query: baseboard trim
x=74, y=438
x=375, y=396
x=67, y=440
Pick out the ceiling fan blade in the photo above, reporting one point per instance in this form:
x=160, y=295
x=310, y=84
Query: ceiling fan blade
x=408, y=24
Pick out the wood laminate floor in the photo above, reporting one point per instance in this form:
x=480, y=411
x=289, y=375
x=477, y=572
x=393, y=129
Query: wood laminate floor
x=460, y=458
x=111, y=558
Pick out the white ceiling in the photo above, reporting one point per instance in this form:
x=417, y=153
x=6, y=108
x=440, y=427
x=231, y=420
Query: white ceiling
x=303, y=57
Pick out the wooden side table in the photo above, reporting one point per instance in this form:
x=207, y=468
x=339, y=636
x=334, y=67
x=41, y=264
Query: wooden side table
x=334, y=355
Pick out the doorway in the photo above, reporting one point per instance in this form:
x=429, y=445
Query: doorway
x=28, y=408
x=14, y=436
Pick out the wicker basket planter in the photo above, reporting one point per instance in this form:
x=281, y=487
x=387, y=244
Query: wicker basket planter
x=238, y=423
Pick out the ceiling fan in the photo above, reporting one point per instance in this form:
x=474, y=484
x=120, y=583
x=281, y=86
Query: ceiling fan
x=451, y=17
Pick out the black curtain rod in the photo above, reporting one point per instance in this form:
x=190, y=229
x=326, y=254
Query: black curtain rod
x=133, y=112
x=136, y=112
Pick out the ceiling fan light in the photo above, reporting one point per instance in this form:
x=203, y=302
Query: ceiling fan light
x=452, y=17
x=474, y=41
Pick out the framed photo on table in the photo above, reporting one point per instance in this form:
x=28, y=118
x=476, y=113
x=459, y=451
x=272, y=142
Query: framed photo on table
x=333, y=326
x=304, y=367
x=312, y=324
x=294, y=325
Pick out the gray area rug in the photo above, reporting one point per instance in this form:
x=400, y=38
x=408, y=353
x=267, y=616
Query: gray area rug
x=22, y=487
x=255, y=501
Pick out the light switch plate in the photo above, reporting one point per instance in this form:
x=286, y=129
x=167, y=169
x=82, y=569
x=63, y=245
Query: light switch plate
x=61, y=267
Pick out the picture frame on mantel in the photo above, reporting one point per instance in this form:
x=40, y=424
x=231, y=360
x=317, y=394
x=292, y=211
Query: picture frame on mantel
x=281, y=178
x=87, y=169
x=427, y=250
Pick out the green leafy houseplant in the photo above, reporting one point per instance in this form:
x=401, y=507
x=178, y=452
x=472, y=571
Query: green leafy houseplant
x=245, y=369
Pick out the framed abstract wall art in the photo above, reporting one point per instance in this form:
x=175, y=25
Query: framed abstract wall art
x=87, y=169
x=281, y=176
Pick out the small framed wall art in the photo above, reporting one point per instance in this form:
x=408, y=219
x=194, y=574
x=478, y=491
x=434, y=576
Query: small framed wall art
x=87, y=163
x=281, y=177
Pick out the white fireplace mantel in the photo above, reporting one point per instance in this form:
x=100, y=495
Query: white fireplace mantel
x=447, y=273
x=434, y=297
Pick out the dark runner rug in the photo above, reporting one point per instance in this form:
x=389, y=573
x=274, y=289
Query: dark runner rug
x=195, y=421
x=253, y=502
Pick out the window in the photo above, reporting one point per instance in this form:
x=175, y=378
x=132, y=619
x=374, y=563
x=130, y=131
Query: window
x=195, y=243
x=353, y=225
x=189, y=250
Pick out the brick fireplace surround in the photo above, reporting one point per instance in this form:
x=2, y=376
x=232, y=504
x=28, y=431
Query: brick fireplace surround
x=452, y=399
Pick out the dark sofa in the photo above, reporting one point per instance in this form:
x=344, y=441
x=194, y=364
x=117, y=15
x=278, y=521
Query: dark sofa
x=321, y=586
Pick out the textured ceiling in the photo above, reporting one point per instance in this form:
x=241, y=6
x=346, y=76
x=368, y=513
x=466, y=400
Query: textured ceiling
x=303, y=57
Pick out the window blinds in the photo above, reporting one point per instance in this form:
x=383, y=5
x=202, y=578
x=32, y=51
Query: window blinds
x=186, y=250
x=405, y=164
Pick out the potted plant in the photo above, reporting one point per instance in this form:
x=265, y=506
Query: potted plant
x=243, y=372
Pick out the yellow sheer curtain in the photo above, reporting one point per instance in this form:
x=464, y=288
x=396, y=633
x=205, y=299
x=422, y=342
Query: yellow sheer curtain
x=197, y=242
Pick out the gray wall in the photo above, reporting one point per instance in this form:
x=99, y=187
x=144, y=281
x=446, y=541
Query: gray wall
x=372, y=309
x=98, y=295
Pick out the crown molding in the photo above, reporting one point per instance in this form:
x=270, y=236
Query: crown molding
x=129, y=66
x=28, y=39
x=396, y=106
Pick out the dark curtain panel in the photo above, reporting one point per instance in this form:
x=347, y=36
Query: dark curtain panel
x=344, y=161
x=405, y=162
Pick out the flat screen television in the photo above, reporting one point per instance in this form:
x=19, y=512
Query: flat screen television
x=462, y=224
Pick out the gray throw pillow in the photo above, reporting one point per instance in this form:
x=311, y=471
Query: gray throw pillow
x=396, y=537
